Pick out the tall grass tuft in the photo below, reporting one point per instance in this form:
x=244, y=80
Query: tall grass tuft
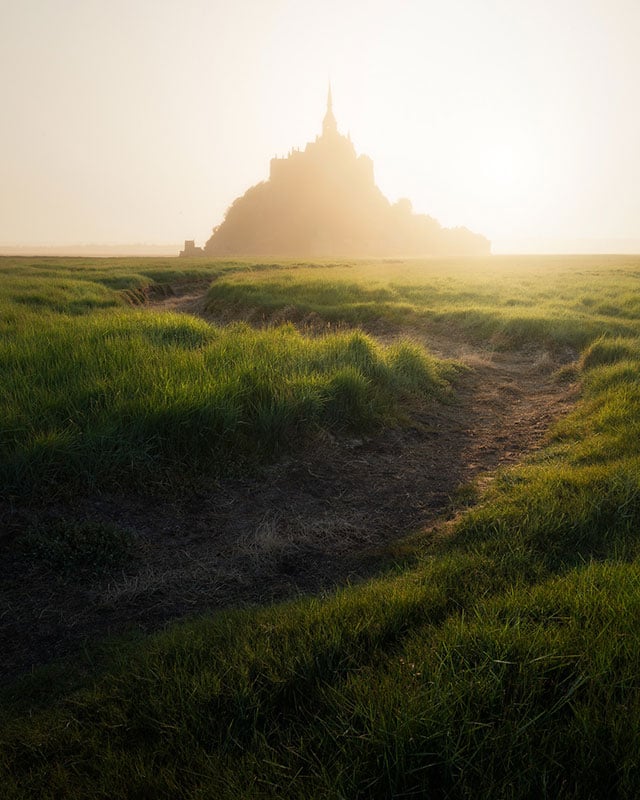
x=127, y=395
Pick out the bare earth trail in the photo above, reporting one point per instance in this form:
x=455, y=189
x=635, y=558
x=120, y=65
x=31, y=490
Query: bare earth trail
x=313, y=520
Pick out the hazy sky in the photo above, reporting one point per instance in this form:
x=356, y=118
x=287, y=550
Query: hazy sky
x=141, y=120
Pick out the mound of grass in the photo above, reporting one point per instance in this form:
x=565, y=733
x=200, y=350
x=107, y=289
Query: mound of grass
x=134, y=396
x=429, y=684
x=609, y=350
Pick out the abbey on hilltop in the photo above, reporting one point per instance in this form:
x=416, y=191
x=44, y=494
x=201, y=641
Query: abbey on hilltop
x=323, y=201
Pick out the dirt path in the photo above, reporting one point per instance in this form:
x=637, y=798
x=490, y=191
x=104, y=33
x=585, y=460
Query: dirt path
x=311, y=521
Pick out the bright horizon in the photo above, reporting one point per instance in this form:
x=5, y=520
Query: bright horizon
x=137, y=122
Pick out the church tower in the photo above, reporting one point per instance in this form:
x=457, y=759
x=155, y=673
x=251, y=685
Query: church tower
x=329, y=124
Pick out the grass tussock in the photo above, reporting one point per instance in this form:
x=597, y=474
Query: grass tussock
x=427, y=684
x=114, y=394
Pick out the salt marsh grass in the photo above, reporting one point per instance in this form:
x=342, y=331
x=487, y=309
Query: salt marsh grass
x=501, y=661
x=130, y=395
x=512, y=301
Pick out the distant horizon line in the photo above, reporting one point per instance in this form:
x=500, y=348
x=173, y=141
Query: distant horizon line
x=548, y=246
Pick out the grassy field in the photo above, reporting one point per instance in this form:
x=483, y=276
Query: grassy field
x=499, y=660
x=511, y=301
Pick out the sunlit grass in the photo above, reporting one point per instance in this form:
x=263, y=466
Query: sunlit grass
x=549, y=301
x=502, y=661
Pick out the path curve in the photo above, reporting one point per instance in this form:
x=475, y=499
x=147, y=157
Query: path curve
x=313, y=520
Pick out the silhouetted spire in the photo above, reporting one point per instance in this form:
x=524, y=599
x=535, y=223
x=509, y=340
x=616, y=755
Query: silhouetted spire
x=323, y=201
x=329, y=124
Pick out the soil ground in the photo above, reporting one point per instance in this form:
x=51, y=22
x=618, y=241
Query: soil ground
x=316, y=519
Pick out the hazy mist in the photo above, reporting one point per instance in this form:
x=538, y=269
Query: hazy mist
x=135, y=121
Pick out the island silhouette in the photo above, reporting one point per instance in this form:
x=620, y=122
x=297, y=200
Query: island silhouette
x=323, y=202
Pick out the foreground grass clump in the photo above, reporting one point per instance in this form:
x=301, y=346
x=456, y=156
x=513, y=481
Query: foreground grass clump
x=416, y=685
x=123, y=393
